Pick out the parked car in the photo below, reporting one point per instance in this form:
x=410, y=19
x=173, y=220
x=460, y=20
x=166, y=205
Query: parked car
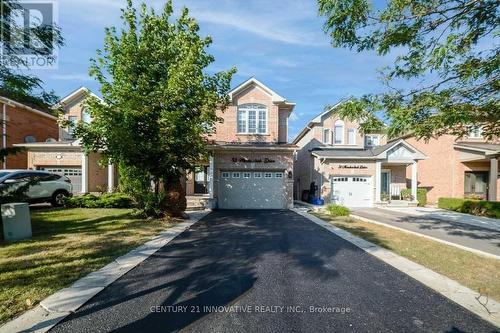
x=47, y=187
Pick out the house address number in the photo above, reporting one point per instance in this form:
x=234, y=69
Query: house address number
x=347, y=166
x=248, y=160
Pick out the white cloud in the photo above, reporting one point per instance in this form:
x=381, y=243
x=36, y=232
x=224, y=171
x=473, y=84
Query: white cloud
x=266, y=27
x=294, y=117
x=71, y=77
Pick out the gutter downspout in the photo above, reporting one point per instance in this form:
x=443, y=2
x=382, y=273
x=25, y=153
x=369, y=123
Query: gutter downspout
x=4, y=133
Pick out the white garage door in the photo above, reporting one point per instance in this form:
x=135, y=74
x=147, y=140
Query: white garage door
x=352, y=191
x=252, y=190
x=73, y=173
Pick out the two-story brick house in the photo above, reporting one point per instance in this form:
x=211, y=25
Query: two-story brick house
x=65, y=156
x=252, y=163
x=22, y=123
x=459, y=167
x=350, y=168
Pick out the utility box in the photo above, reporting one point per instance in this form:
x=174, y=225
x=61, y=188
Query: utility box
x=16, y=221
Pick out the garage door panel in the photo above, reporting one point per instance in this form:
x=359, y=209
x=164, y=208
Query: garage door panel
x=352, y=191
x=251, y=193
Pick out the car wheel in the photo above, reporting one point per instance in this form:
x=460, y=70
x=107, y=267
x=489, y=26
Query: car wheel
x=59, y=198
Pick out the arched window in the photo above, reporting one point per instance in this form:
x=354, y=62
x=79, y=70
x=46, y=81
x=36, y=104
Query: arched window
x=252, y=119
x=86, y=118
x=339, y=132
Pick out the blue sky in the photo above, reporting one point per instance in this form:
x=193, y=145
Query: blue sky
x=281, y=43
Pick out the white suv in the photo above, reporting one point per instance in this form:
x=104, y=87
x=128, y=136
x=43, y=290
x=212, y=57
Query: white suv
x=49, y=187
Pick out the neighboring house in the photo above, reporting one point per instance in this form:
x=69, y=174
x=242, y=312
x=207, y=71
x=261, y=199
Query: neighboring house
x=252, y=162
x=66, y=157
x=459, y=167
x=24, y=124
x=350, y=168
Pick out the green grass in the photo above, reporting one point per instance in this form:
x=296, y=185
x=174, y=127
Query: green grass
x=67, y=244
x=476, y=272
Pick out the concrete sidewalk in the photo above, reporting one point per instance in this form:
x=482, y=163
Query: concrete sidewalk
x=460, y=233
x=449, y=216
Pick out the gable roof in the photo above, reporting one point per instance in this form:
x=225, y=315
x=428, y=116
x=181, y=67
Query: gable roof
x=378, y=152
x=316, y=120
x=81, y=91
x=482, y=147
x=276, y=98
x=13, y=103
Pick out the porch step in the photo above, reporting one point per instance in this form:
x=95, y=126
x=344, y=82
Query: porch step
x=196, y=202
x=401, y=203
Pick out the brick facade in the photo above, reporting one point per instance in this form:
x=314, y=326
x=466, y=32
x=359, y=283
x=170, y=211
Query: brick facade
x=21, y=123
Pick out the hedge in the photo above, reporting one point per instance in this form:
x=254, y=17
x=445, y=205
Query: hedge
x=468, y=206
x=111, y=200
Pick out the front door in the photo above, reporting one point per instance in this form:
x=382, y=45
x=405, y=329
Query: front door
x=200, y=180
x=476, y=184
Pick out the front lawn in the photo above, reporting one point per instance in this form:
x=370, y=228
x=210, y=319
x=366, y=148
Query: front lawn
x=476, y=272
x=67, y=244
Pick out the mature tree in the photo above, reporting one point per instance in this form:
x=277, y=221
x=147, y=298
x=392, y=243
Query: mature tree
x=159, y=102
x=38, y=40
x=448, y=51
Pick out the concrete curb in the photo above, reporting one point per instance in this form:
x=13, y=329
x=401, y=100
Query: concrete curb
x=56, y=307
x=480, y=305
x=465, y=248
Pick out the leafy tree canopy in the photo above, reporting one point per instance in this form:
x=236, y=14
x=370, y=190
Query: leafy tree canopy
x=14, y=82
x=448, y=51
x=159, y=102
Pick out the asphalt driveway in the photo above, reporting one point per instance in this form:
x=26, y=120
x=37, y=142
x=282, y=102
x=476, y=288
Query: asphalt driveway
x=464, y=234
x=274, y=271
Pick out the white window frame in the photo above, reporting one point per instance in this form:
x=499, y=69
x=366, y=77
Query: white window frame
x=225, y=174
x=85, y=116
x=268, y=175
x=247, y=175
x=475, y=132
x=242, y=115
x=326, y=135
x=257, y=175
x=372, y=136
x=339, y=123
x=74, y=121
x=236, y=175
x=278, y=175
x=353, y=131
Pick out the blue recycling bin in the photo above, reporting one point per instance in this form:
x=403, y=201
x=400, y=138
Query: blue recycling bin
x=318, y=201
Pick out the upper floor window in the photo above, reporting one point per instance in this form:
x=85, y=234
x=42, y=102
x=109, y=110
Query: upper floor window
x=372, y=140
x=326, y=135
x=351, y=136
x=339, y=132
x=476, y=132
x=252, y=119
x=73, y=120
x=86, y=118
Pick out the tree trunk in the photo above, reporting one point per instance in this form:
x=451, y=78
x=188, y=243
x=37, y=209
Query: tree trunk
x=174, y=202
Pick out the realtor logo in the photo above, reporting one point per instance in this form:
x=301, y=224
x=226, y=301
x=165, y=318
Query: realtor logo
x=27, y=36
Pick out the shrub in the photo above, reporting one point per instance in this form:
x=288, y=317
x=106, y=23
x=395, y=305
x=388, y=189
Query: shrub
x=111, y=200
x=406, y=194
x=422, y=197
x=474, y=207
x=338, y=210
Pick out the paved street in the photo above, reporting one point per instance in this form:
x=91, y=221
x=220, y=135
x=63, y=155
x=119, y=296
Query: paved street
x=268, y=268
x=469, y=235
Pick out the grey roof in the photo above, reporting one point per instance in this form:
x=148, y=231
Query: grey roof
x=485, y=146
x=325, y=152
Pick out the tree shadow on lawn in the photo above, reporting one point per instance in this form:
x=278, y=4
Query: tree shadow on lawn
x=213, y=264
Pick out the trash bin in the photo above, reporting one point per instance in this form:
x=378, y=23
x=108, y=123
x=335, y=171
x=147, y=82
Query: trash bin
x=16, y=221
